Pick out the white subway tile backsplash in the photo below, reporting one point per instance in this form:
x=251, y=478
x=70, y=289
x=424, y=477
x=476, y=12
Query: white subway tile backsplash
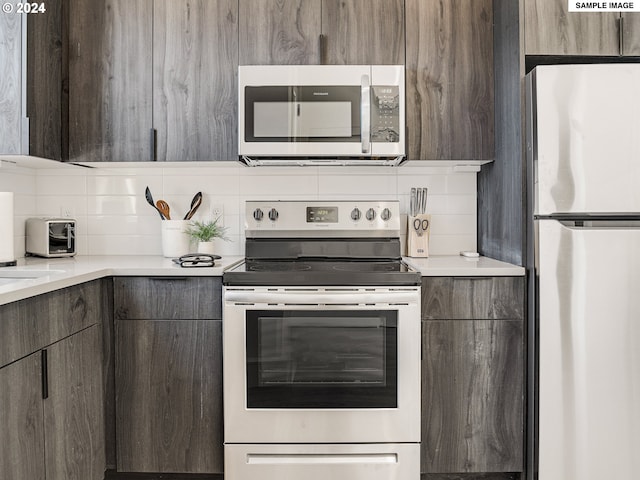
x=284, y=186
x=120, y=205
x=104, y=244
x=114, y=217
x=178, y=184
x=61, y=185
x=125, y=184
x=354, y=184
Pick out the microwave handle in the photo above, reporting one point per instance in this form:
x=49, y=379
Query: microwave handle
x=365, y=114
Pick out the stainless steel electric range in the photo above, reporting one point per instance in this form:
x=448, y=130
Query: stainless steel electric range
x=322, y=346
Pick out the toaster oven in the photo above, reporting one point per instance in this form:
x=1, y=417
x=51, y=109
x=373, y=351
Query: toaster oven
x=51, y=237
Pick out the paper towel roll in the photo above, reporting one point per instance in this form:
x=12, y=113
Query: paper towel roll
x=6, y=227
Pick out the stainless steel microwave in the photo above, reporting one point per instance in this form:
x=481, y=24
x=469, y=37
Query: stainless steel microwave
x=321, y=114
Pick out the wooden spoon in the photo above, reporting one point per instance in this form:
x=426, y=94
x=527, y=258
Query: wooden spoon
x=163, y=207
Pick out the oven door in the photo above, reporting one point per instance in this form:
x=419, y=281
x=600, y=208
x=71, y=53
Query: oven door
x=322, y=365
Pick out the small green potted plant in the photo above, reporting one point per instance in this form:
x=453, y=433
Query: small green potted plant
x=204, y=232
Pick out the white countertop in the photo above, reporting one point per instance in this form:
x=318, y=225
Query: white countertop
x=69, y=271
x=65, y=272
x=459, y=266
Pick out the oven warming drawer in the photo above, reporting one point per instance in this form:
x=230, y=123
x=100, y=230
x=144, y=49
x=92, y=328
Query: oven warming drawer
x=321, y=462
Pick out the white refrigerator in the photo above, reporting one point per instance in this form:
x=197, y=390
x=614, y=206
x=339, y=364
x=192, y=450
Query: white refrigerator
x=583, y=145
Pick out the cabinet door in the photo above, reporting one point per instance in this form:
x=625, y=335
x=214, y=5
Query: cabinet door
x=110, y=80
x=21, y=432
x=550, y=29
x=363, y=32
x=450, y=79
x=279, y=32
x=10, y=83
x=73, y=411
x=169, y=396
x=472, y=396
x=46, y=75
x=195, y=65
x=631, y=34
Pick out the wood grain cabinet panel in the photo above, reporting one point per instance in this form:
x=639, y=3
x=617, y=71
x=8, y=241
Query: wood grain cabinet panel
x=21, y=420
x=52, y=429
x=168, y=298
x=279, y=32
x=73, y=420
x=10, y=84
x=31, y=324
x=363, y=32
x=550, y=29
x=472, y=396
x=631, y=34
x=354, y=32
x=472, y=375
x=42, y=79
x=169, y=396
x=449, y=76
x=47, y=82
x=195, y=63
x=110, y=102
x=458, y=298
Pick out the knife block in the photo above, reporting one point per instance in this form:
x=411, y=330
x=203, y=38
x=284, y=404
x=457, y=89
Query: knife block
x=418, y=242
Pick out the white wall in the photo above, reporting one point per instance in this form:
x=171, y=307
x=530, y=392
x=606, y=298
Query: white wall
x=114, y=218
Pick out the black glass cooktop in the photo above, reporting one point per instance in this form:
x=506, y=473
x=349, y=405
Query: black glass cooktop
x=322, y=272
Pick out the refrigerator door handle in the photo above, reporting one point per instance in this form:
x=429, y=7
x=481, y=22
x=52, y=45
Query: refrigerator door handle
x=602, y=224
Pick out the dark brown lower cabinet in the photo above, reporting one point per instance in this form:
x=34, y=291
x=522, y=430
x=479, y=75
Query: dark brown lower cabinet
x=169, y=396
x=21, y=420
x=472, y=387
x=51, y=417
x=73, y=420
x=472, y=377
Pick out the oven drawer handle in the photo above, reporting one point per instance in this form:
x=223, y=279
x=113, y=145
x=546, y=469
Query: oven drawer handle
x=319, y=458
x=321, y=298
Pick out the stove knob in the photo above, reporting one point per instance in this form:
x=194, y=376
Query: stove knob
x=371, y=214
x=386, y=214
x=356, y=214
x=273, y=214
x=258, y=214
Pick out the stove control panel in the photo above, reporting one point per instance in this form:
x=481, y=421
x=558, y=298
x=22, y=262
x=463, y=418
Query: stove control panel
x=334, y=218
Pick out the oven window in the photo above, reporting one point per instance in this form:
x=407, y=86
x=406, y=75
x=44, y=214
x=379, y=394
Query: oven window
x=321, y=359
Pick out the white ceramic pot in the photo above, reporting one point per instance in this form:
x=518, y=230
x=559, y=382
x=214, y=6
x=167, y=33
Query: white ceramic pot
x=175, y=242
x=206, y=247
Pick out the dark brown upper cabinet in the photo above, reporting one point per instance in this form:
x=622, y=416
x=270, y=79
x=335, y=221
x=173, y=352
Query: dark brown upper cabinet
x=449, y=77
x=550, y=29
x=110, y=101
x=32, y=106
x=312, y=32
x=163, y=86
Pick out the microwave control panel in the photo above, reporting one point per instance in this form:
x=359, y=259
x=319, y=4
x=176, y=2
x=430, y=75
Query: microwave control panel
x=385, y=114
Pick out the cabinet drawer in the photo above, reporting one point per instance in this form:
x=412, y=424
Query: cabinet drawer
x=33, y=323
x=460, y=298
x=167, y=298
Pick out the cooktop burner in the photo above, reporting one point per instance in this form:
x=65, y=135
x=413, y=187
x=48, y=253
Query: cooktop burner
x=321, y=272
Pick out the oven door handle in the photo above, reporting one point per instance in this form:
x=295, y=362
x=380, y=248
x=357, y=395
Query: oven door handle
x=322, y=298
